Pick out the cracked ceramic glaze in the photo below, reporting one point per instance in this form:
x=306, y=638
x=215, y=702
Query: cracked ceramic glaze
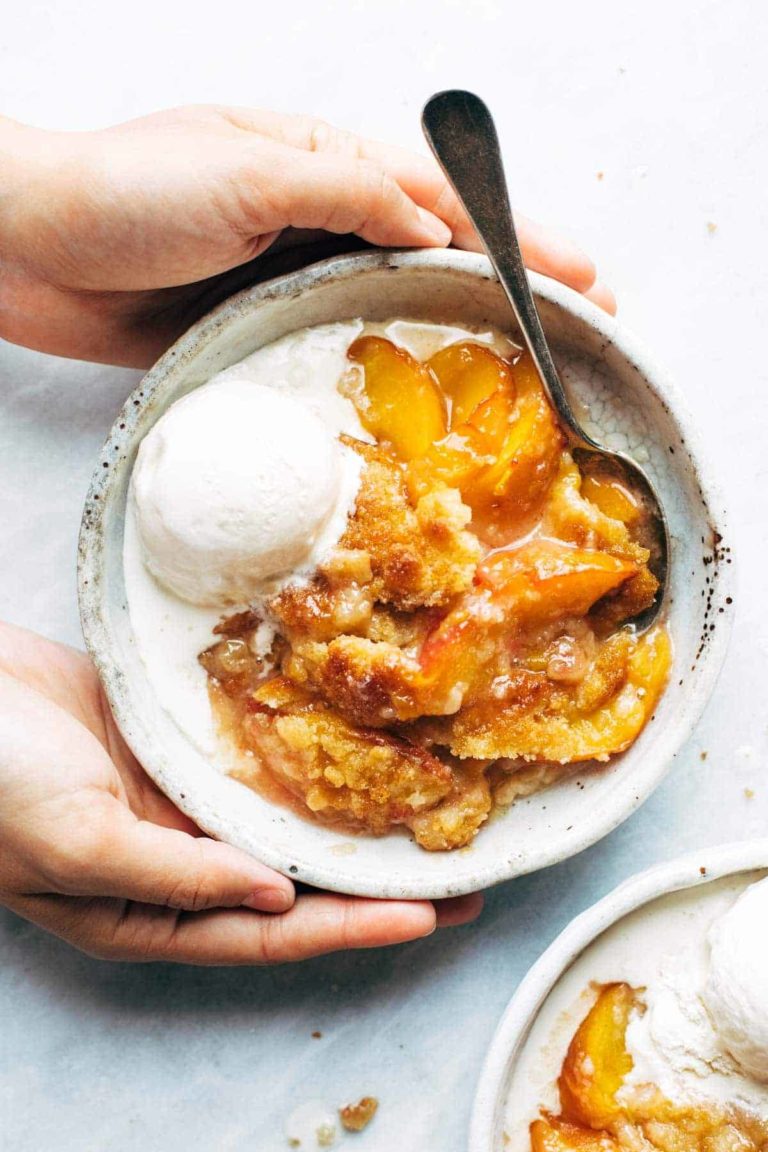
x=623, y=394
x=626, y=936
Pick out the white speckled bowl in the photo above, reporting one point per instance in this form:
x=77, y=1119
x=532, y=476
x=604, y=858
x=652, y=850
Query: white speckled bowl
x=630, y=395
x=490, y=1114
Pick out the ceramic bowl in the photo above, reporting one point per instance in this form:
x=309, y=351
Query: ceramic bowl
x=624, y=396
x=491, y=1114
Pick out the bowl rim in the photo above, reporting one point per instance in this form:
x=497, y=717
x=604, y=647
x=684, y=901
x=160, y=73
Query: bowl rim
x=95, y=611
x=692, y=870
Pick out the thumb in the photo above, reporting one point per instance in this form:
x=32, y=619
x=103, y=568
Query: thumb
x=135, y=860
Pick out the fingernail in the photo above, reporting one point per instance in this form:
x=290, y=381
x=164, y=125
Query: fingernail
x=435, y=228
x=270, y=900
x=430, y=931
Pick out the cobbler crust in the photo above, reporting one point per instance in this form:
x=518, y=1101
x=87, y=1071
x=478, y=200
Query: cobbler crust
x=439, y=640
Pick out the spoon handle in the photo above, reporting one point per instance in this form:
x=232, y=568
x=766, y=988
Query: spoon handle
x=461, y=133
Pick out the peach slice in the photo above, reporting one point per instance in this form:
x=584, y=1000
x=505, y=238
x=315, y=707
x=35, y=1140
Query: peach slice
x=592, y=1119
x=452, y=656
x=402, y=403
x=597, y=1061
x=611, y=497
x=562, y=723
x=531, y=584
x=615, y=725
x=467, y=450
x=545, y=579
x=455, y=460
x=468, y=375
x=504, y=443
x=528, y=459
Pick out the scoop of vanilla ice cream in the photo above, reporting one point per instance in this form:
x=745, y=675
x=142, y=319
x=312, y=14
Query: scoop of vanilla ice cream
x=233, y=487
x=736, y=988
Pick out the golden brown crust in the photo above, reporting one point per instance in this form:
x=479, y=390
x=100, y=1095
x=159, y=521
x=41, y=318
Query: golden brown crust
x=341, y=772
x=367, y=680
x=421, y=554
x=454, y=822
x=633, y=597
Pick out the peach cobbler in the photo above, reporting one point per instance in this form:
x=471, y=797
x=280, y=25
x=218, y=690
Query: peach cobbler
x=471, y=629
x=602, y=1111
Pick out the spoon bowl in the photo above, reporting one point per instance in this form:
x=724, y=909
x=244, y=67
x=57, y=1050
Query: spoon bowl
x=461, y=133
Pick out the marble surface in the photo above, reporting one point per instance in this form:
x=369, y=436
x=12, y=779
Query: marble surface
x=640, y=129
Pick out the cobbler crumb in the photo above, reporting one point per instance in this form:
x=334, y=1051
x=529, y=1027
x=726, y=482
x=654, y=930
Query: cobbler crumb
x=355, y=1117
x=326, y=1135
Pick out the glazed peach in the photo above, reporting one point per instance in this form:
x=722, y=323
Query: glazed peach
x=597, y=1060
x=400, y=403
x=612, y=498
x=480, y=392
x=532, y=584
x=530, y=715
x=528, y=459
x=469, y=374
x=545, y=579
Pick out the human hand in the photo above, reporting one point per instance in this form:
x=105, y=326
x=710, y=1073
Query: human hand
x=113, y=241
x=91, y=850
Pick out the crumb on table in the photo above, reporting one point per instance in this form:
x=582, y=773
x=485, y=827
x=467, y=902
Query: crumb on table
x=355, y=1117
x=326, y=1135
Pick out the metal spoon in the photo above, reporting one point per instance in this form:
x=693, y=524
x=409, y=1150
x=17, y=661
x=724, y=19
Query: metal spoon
x=462, y=135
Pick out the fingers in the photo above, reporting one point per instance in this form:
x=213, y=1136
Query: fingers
x=543, y=249
x=321, y=923
x=339, y=194
x=459, y=910
x=317, y=923
x=553, y=255
x=114, y=930
x=602, y=295
x=421, y=179
x=121, y=856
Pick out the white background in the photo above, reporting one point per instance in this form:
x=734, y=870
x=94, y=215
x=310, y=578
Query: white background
x=668, y=101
